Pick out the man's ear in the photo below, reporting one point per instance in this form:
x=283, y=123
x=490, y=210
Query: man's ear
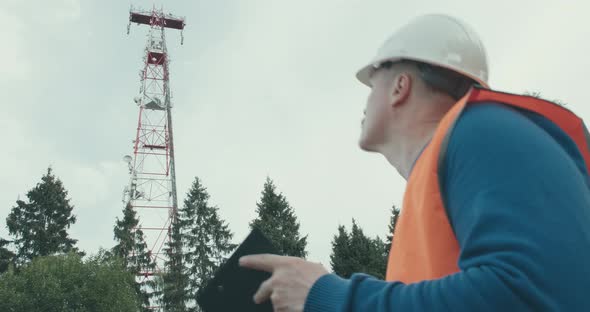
x=402, y=86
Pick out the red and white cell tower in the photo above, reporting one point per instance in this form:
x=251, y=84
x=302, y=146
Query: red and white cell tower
x=152, y=186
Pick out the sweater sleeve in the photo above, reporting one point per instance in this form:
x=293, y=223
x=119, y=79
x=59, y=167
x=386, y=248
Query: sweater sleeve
x=520, y=209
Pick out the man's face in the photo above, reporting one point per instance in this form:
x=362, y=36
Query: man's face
x=377, y=112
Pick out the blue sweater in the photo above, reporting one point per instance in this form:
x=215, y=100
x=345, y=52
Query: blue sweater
x=518, y=198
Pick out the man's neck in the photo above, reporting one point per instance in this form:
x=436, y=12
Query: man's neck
x=414, y=131
x=404, y=154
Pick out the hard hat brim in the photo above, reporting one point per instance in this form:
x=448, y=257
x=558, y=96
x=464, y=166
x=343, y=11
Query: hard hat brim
x=364, y=74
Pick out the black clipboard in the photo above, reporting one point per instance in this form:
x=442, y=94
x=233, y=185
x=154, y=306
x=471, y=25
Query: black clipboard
x=233, y=287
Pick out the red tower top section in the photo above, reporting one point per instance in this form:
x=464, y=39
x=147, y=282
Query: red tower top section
x=155, y=18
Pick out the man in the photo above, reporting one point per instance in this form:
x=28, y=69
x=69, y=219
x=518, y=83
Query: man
x=496, y=214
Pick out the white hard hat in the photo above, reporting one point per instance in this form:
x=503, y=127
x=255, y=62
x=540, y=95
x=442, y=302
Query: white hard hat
x=438, y=40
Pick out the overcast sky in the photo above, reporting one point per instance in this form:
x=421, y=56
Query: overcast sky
x=260, y=87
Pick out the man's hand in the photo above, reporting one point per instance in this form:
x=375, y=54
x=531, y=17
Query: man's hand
x=290, y=282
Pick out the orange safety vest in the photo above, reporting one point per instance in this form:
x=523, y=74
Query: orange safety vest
x=425, y=246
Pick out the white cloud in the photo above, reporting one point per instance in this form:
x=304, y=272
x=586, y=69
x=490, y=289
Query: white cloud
x=16, y=64
x=24, y=21
x=67, y=10
x=47, y=12
x=94, y=189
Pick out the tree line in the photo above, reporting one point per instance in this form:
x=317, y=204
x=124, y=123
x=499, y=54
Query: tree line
x=42, y=269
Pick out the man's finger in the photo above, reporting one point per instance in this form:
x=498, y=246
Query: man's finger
x=264, y=292
x=262, y=262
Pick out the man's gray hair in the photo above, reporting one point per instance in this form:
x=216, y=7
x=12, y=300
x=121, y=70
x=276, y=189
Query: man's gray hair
x=438, y=78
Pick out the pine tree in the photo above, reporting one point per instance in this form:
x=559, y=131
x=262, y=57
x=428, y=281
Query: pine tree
x=340, y=259
x=354, y=252
x=277, y=220
x=175, y=281
x=40, y=226
x=206, y=239
x=391, y=228
x=132, y=248
x=6, y=256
